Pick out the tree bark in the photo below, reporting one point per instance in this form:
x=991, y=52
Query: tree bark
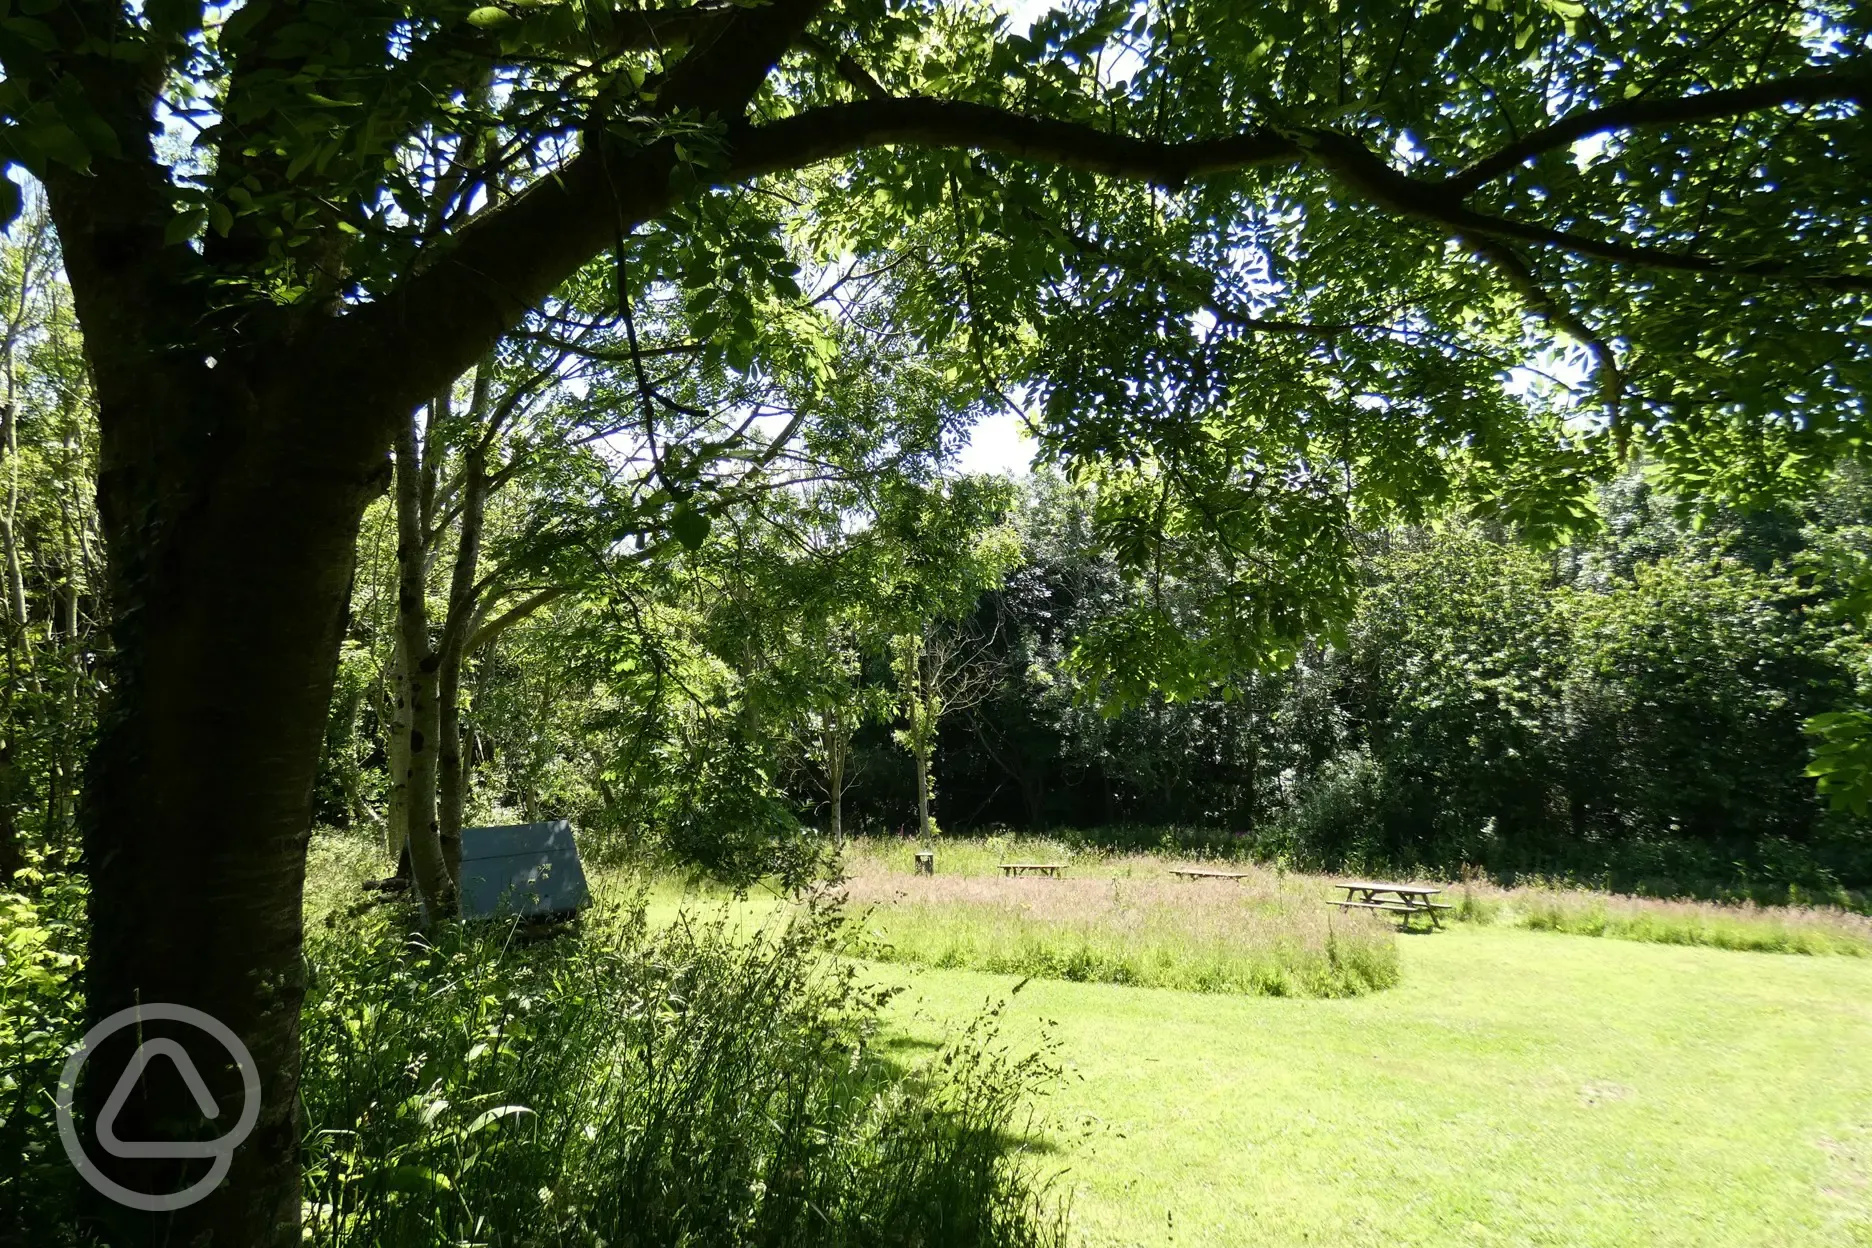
x=926, y=740
x=421, y=677
x=396, y=758
x=230, y=549
x=837, y=742
x=19, y=618
x=451, y=794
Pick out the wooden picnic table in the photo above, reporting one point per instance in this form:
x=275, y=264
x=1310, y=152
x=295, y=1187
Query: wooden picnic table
x=1403, y=900
x=1204, y=873
x=1037, y=868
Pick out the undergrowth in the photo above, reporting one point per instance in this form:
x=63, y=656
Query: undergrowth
x=694, y=1083
x=691, y=1085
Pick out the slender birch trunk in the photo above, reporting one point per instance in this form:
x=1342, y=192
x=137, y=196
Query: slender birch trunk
x=836, y=744
x=19, y=618
x=421, y=664
x=452, y=783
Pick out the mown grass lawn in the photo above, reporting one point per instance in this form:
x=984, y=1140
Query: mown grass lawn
x=1517, y=1088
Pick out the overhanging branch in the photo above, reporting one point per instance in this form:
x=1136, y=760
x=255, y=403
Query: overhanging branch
x=1363, y=171
x=1848, y=84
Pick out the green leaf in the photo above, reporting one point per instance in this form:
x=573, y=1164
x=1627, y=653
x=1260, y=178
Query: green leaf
x=489, y=18
x=690, y=526
x=184, y=225
x=488, y=1117
x=740, y=353
x=221, y=217
x=417, y=1179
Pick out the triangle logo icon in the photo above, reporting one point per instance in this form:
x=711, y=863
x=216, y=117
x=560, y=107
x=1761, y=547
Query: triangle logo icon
x=191, y=1078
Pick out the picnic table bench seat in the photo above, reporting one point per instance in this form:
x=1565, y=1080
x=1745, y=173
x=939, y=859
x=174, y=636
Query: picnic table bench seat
x=1403, y=900
x=1039, y=868
x=1204, y=873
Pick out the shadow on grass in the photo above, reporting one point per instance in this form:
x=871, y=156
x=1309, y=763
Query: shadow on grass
x=901, y=1044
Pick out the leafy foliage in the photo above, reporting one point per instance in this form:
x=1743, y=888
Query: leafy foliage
x=41, y=1019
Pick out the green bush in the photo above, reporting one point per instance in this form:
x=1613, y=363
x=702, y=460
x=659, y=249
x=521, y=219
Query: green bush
x=731, y=823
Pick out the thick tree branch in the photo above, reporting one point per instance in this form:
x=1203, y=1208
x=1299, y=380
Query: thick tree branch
x=840, y=129
x=484, y=633
x=854, y=75
x=502, y=264
x=835, y=130
x=506, y=262
x=1853, y=84
x=650, y=29
x=1363, y=171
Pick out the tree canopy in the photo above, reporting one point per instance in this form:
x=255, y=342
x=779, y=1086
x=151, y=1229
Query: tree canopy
x=1275, y=271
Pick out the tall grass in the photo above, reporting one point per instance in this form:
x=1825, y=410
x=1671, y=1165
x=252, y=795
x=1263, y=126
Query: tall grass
x=1119, y=920
x=1742, y=926
x=1537, y=905
x=690, y=1085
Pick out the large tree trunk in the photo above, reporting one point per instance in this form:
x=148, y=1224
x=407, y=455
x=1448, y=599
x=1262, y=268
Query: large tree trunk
x=230, y=526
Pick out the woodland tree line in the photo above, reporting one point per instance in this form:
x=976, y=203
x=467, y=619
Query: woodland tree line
x=1626, y=707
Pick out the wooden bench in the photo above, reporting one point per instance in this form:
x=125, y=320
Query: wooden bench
x=1403, y=900
x=1203, y=873
x=1033, y=868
